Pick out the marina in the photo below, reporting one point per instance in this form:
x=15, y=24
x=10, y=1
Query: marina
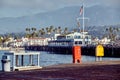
x=75, y=40
x=63, y=43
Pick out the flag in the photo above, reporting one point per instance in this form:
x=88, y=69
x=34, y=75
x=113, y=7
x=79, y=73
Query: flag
x=81, y=10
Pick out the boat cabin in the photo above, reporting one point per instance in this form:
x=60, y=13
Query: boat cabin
x=71, y=39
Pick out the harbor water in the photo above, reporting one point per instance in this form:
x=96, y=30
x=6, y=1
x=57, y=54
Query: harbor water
x=47, y=59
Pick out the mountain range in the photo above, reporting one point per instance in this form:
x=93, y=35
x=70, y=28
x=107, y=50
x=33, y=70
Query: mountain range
x=64, y=17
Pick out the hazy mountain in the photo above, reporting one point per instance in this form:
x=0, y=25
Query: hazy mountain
x=65, y=17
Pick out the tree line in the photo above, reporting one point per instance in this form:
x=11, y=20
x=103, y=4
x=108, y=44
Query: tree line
x=111, y=32
x=33, y=32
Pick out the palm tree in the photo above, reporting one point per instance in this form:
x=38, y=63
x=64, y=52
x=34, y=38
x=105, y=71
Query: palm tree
x=1, y=39
x=51, y=29
x=5, y=39
x=33, y=34
x=47, y=30
x=42, y=32
x=27, y=32
x=112, y=32
x=117, y=29
x=33, y=29
x=59, y=30
x=65, y=30
x=55, y=30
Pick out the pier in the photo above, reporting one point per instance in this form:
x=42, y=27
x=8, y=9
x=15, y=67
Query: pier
x=109, y=51
x=106, y=70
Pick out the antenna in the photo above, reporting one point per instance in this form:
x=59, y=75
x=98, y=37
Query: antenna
x=83, y=18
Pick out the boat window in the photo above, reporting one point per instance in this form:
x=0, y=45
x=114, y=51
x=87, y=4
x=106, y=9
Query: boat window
x=85, y=42
x=86, y=37
x=79, y=37
x=68, y=37
x=75, y=42
x=61, y=37
x=80, y=42
x=75, y=37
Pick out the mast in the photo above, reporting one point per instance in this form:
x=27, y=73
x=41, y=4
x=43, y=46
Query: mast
x=83, y=26
x=83, y=19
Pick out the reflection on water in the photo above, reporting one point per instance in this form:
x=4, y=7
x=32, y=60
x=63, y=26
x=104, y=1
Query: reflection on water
x=51, y=59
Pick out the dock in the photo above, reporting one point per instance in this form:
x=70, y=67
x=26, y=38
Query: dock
x=18, y=64
x=103, y=70
x=109, y=51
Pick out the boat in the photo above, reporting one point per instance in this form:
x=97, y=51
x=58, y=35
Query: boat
x=63, y=43
x=71, y=39
x=79, y=38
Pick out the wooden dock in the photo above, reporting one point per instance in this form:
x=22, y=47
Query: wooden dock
x=109, y=51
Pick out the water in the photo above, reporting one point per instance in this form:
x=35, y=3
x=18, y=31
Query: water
x=47, y=59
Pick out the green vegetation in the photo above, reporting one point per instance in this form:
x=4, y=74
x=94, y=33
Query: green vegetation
x=33, y=32
x=112, y=32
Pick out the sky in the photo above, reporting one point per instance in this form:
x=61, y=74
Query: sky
x=18, y=8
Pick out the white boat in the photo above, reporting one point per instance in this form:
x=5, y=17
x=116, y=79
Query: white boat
x=74, y=38
x=71, y=39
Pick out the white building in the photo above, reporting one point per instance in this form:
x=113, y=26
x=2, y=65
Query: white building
x=37, y=41
x=105, y=41
x=17, y=43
